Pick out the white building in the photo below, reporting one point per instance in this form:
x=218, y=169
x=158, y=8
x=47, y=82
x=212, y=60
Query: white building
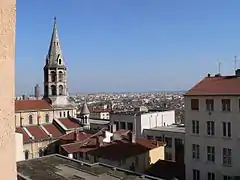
x=100, y=114
x=173, y=135
x=144, y=120
x=212, y=119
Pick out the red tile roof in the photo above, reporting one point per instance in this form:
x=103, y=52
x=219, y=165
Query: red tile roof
x=69, y=124
x=221, y=85
x=37, y=132
x=24, y=105
x=71, y=136
x=53, y=130
x=25, y=135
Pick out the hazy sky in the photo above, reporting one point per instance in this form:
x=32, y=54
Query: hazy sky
x=128, y=45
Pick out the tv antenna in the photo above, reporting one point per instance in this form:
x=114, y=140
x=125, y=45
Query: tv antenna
x=219, y=67
x=235, y=62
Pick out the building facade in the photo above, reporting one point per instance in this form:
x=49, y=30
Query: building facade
x=173, y=136
x=138, y=121
x=212, y=128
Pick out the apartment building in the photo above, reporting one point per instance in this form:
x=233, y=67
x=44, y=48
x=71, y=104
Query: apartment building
x=174, y=137
x=137, y=121
x=212, y=142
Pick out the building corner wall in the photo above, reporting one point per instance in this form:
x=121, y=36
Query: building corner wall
x=7, y=91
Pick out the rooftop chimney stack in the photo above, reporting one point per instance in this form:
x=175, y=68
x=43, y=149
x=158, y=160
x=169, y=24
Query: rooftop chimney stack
x=76, y=136
x=131, y=137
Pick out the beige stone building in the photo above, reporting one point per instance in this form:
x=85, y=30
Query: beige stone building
x=7, y=82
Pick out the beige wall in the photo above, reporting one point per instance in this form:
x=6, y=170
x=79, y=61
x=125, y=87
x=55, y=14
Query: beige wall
x=42, y=114
x=19, y=147
x=7, y=82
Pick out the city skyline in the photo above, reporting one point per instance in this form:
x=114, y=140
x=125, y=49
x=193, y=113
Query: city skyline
x=122, y=46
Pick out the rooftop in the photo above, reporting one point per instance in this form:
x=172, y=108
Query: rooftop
x=57, y=167
x=216, y=85
x=30, y=105
x=170, y=128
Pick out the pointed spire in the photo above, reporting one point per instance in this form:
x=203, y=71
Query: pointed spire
x=55, y=52
x=84, y=109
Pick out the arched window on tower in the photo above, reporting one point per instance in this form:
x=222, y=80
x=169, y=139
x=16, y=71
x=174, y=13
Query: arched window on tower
x=30, y=119
x=53, y=76
x=60, y=76
x=54, y=91
x=60, y=89
x=59, y=61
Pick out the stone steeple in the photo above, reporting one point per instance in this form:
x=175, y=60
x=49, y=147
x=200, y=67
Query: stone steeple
x=54, y=56
x=55, y=72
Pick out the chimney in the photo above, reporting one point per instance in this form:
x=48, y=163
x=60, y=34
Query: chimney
x=208, y=75
x=131, y=137
x=98, y=142
x=76, y=135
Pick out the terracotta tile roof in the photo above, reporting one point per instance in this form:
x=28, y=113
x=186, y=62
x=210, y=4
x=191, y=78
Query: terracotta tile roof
x=24, y=105
x=122, y=149
x=53, y=130
x=69, y=124
x=25, y=135
x=221, y=85
x=37, y=132
x=71, y=136
x=167, y=170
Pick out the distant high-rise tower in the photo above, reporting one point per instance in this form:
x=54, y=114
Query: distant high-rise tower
x=37, y=91
x=55, y=72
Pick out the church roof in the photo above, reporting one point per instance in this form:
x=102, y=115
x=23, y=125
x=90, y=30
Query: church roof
x=84, y=109
x=28, y=105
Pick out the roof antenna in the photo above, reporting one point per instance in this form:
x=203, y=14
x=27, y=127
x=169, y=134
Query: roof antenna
x=235, y=63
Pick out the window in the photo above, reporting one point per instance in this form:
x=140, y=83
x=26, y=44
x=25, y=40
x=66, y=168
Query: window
x=60, y=114
x=226, y=105
x=211, y=153
x=178, y=141
x=227, y=156
x=195, y=127
x=68, y=113
x=60, y=61
x=117, y=125
x=80, y=154
x=26, y=153
x=64, y=114
x=227, y=177
x=210, y=176
x=226, y=129
x=75, y=156
x=30, y=119
x=53, y=90
x=209, y=104
x=195, y=151
x=196, y=174
x=168, y=156
x=122, y=125
x=150, y=137
x=41, y=152
x=47, y=118
x=130, y=126
x=86, y=156
x=168, y=141
x=53, y=76
x=194, y=104
x=210, y=128
x=158, y=138
x=60, y=76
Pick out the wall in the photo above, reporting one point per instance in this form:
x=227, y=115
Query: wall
x=218, y=141
x=166, y=134
x=7, y=84
x=146, y=121
x=19, y=147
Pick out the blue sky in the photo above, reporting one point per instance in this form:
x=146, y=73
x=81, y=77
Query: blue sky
x=128, y=45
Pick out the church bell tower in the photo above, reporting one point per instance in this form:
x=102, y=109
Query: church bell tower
x=55, y=72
